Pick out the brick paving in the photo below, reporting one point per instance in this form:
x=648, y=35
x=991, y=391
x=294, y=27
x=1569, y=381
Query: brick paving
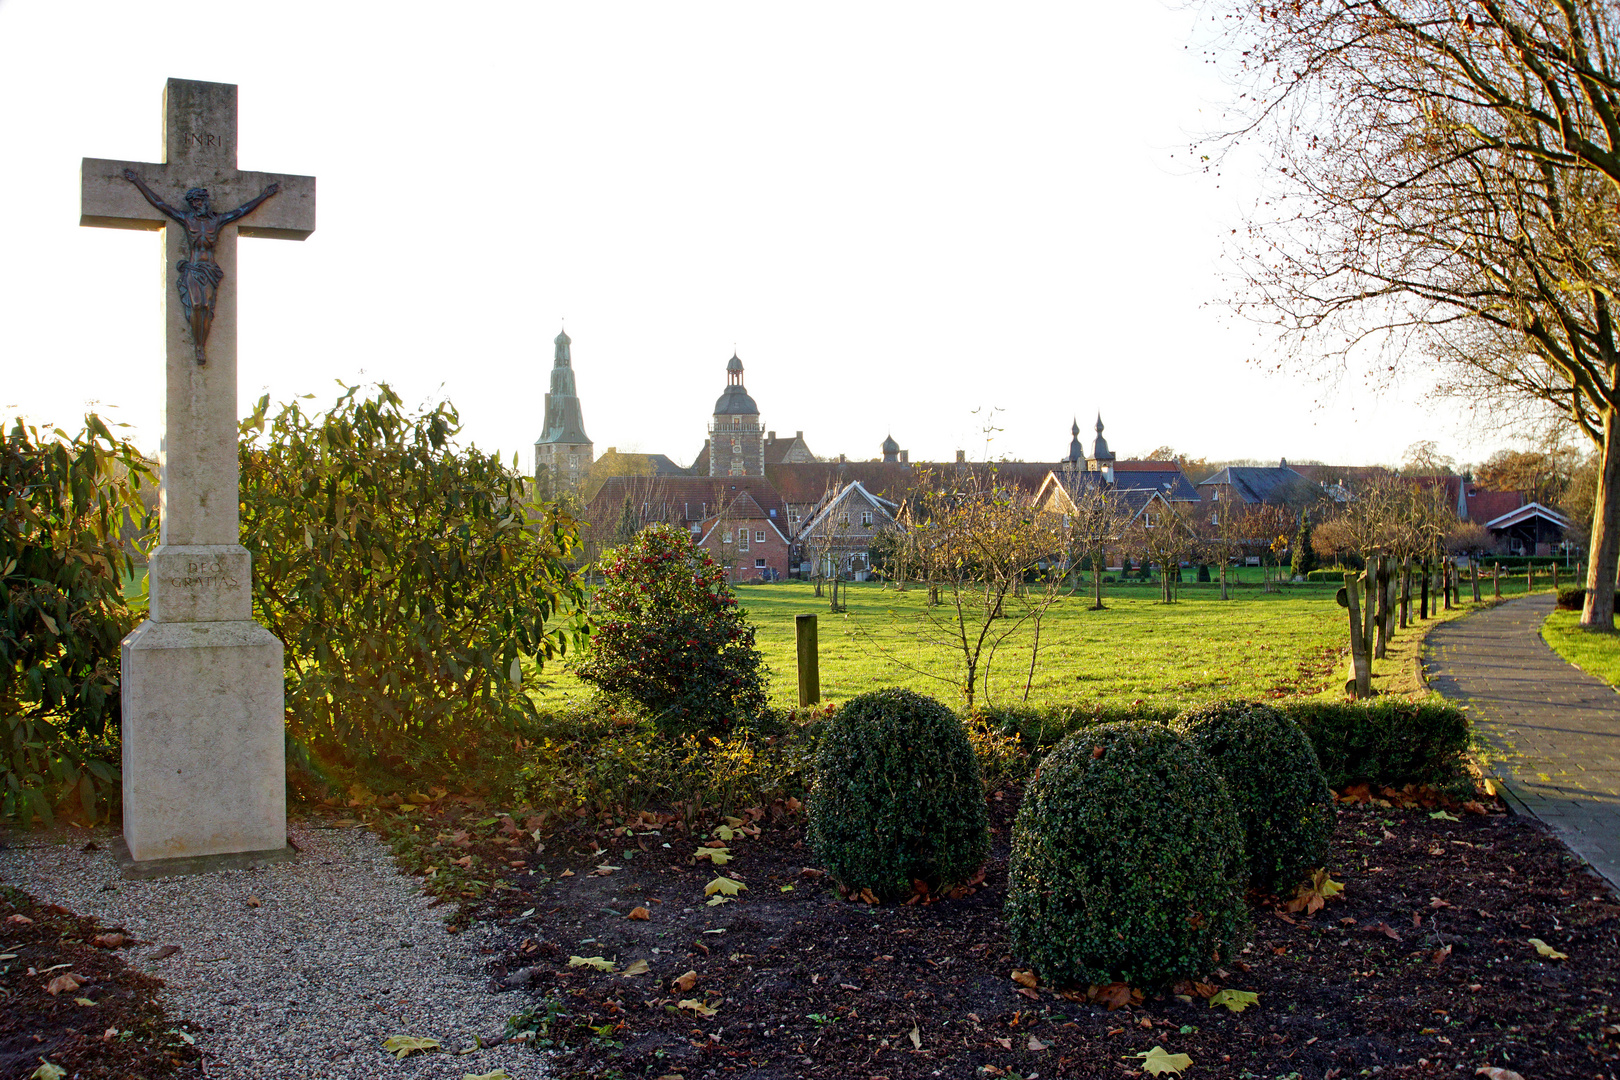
x=1553, y=730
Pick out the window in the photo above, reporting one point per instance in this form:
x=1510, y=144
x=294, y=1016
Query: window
x=845, y=518
x=759, y=564
x=736, y=446
x=742, y=539
x=866, y=518
x=573, y=461
x=759, y=536
x=1214, y=519
x=793, y=516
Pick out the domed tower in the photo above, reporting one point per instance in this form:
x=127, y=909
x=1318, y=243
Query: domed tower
x=891, y=450
x=1102, y=458
x=563, y=448
x=736, y=444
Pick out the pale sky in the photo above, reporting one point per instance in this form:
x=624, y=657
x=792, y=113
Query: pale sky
x=897, y=214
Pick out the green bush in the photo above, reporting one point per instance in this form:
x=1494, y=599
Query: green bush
x=1127, y=861
x=672, y=636
x=1385, y=741
x=65, y=503
x=409, y=579
x=898, y=796
x=1575, y=599
x=1041, y=727
x=1270, y=769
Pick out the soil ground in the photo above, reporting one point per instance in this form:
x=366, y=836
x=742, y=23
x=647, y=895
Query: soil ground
x=1421, y=967
x=109, y=1028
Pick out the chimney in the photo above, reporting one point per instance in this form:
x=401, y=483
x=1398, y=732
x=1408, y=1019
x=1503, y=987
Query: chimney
x=798, y=434
x=771, y=435
x=905, y=457
x=961, y=457
x=841, y=459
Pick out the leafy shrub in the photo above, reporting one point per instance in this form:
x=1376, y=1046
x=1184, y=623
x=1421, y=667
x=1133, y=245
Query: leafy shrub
x=1041, y=727
x=1271, y=772
x=672, y=637
x=408, y=579
x=1385, y=741
x=1203, y=572
x=898, y=796
x=1575, y=599
x=1127, y=860
x=64, y=505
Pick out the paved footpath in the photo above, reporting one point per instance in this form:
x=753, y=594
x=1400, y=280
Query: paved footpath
x=1554, y=730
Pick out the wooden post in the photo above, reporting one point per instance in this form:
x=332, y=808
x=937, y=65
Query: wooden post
x=1496, y=579
x=804, y=629
x=1378, y=578
x=1529, y=577
x=1360, y=683
x=1555, y=576
x=1473, y=574
x=1406, y=591
x=1423, y=598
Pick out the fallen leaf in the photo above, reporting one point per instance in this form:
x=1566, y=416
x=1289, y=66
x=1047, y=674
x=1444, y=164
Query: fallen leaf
x=724, y=886
x=637, y=968
x=63, y=984
x=1316, y=893
x=83, y=1001
x=1547, y=950
x=603, y=870
x=811, y=872
x=726, y=833
x=640, y=914
x=1440, y=954
x=1436, y=902
x=1114, y=995
x=1005, y=1044
x=48, y=1071
x=717, y=856
x=1234, y=1000
x=1441, y=815
x=111, y=941
x=566, y=873
x=165, y=952
x=253, y=901
x=498, y=1074
x=1027, y=992
x=696, y=1006
x=1036, y=1044
x=1025, y=978
x=1473, y=807
x=1387, y=930
x=1159, y=1061
x=20, y=920
x=716, y=901
x=403, y=1046
x=1491, y=1072
x=685, y=982
x=916, y=1038
x=595, y=962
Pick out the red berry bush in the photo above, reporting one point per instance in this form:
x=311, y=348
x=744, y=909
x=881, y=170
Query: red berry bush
x=671, y=637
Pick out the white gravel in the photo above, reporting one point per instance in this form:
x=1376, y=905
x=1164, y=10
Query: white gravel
x=342, y=952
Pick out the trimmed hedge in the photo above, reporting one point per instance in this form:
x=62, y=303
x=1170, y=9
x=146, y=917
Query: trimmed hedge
x=1271, y=772
x=1385, y=741
x=898, y=796
x=1575, y=599
x=1127, y=861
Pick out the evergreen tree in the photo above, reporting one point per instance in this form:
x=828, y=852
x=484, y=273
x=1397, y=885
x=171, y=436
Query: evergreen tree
x=629, y=522
x=1304, y=554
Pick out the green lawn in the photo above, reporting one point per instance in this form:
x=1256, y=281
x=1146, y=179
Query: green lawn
x=1597, y=654
x=1254, y=645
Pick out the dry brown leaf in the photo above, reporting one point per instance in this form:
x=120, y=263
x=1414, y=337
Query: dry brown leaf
x=1005, y=1044
x=165, y=952
x=1027, y=992
x=65, y=983
x=1491, y=1072
x=685, y=982
x=1440, y=954
x=18, y=920
x=1036, y=1044
x=640, y=914
x=1025, y=978
x=111, y=941
x=253, y=901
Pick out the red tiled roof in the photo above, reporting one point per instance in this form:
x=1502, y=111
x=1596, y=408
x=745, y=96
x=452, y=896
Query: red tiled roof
x=1486, y=505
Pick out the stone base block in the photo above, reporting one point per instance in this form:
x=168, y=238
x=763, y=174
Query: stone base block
x=200, y=583
x=195, y=864
x=204, y=741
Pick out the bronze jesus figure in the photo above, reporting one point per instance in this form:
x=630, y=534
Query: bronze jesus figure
x=199, y=275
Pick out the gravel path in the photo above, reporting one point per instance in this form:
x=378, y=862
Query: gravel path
x=342, y=952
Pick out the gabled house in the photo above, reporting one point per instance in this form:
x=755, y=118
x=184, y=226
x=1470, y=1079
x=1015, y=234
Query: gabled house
x=1531, y=529
x=745, y=539
x=838, y=531
x=1240, y=486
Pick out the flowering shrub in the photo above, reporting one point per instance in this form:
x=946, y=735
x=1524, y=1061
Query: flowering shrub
x=672, y=637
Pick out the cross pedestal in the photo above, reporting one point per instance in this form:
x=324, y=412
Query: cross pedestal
x=204, y=769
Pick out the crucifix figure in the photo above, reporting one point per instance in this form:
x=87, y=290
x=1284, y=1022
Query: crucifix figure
x=200, y=275
x=204, y=770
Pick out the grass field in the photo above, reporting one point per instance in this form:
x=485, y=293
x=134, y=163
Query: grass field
x=1597, y=654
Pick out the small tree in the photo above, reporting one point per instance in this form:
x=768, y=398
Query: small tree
x=1304, y=553
x=672, y=637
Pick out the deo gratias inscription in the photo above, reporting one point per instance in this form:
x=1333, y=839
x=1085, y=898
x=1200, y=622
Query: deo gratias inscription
x=203, y=572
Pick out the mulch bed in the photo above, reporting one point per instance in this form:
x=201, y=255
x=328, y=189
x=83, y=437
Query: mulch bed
x=1421, y=967
x=121, y=1033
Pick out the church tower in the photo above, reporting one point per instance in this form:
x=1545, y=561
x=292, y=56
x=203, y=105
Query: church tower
x=563, y=449
x=736, y=447
x=1101, y=459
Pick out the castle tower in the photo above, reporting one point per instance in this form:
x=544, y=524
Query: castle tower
x=736, y=446
x=563, y=450
x=1102, y=458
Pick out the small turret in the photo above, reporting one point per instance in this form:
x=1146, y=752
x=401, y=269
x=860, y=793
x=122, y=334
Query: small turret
x=891, y=450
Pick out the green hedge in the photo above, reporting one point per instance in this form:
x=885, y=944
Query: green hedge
x=1575, y=599
x=1387, y=741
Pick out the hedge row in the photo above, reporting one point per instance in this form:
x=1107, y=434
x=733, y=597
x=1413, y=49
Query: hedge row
x=1575, y=599
x=1388, y=741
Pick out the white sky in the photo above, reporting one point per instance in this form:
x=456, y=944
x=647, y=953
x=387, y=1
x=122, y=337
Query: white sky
x=898, y=213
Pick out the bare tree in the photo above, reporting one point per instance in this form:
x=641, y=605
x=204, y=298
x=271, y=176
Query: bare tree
x=1447, y=179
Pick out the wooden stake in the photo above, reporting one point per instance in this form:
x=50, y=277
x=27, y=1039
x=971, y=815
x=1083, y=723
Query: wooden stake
x=804, y=629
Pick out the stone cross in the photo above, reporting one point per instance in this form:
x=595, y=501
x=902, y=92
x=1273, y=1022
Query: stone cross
x=203, y=700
